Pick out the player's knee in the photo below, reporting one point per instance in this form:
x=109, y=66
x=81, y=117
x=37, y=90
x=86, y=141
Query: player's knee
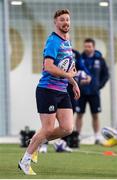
x=48, y=132
x=68, y=130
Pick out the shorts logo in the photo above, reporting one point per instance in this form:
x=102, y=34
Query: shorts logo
x=51, y=108
x=77, y=109
x=99, y=109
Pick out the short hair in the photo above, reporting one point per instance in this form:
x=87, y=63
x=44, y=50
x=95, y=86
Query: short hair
x=89, y=40
x=61, y=12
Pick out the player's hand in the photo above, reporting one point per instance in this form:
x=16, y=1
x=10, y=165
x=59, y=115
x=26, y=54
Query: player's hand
x=71, y=73
x=86, y=81
x=76, y=91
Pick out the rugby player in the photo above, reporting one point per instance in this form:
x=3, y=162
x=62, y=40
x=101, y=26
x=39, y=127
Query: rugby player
x=51, y=92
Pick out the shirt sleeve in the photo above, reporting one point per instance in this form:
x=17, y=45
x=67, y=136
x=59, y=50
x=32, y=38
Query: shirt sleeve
x=51, y=49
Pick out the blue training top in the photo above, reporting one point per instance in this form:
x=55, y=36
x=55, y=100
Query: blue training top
x=57, y=49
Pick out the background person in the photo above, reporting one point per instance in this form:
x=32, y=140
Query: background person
x=79, y=66
x=90, y=93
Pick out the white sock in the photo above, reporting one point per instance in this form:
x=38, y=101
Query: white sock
x=26, y=158
x=97, y=136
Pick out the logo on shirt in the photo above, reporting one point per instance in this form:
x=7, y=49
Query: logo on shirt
x=51, y=108
x=97, y=63
x=83, y=61
x=66, y=45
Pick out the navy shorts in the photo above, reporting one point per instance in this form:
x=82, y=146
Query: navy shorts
x=92, y=100
x=71, y=94
x=48, y=100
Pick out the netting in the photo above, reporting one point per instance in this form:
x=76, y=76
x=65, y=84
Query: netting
x=2, y=76
x=29, y=26
x=34, y=21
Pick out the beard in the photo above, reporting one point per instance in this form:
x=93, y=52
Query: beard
x=64, y=29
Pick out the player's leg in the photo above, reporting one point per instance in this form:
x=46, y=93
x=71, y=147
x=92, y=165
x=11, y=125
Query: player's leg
x=42, y=147
x=73, y=102
x=80, y=110
x=43, y=135
x=96, y=126
x=47, y=131
x=94, y=102
x=64, y=115
x=46, y=105
x=79, y=122
x=48, y=121
x=65, y=118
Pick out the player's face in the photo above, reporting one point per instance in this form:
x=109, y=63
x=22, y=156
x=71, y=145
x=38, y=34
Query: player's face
x=63, y=23
x=89, y=48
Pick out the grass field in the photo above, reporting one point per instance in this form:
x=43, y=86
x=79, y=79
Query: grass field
x=60, y=165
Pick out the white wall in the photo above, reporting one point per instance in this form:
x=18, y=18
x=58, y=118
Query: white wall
x=22, y=89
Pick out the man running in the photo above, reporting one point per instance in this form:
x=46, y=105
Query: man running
x=51, y=93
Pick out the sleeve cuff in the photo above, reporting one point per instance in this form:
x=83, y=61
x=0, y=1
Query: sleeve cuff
x=50, y=57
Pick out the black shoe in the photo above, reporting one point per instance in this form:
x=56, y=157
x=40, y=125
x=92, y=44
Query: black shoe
x=97, y=142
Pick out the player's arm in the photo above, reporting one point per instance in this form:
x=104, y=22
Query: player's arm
x=104, y=74
x=76, y=89
x=50, y=67
x=73, y=82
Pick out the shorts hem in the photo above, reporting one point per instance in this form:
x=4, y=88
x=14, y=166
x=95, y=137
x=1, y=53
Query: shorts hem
x=64, y=108
x=96, y=112
x=47, y=112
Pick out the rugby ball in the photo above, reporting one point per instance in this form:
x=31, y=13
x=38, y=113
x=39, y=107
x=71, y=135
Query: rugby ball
x=81, y=75
x=60, y=145
x=71, y=65
x=66, y=64
x=109, y=133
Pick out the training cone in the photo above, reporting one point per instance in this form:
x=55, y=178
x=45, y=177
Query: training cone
x=109, y=153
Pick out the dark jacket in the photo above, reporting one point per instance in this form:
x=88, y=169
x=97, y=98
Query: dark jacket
x=78, y=63
x=98, y=70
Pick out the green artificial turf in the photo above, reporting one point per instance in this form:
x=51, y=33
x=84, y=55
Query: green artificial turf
x=60, y=165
